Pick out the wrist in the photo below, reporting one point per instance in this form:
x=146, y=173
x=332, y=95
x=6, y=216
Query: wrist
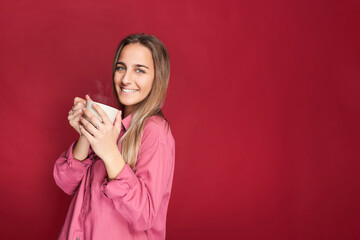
x=82, y=138
x=111, y=155
x=114, y=164
x=81, y=149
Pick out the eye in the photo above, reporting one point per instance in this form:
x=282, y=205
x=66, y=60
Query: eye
x=139, y=70
x=120, y=68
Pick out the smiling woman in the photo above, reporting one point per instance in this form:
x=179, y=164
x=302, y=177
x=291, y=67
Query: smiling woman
x=134, y=76
x=122, y=191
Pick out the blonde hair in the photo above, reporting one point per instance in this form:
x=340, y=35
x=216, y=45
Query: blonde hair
x=152, y=104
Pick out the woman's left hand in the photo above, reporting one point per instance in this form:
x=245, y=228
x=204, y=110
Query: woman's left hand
x=102, y=136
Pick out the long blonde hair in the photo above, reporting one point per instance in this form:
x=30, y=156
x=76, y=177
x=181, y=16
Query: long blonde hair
x=152, y=104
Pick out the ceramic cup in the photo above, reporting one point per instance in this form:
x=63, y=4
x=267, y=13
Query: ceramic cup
x=110, y=111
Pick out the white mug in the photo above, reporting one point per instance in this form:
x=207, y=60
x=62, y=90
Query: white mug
x=110, y=111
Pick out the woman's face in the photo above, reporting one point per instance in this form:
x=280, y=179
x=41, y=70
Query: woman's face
x=134, y=75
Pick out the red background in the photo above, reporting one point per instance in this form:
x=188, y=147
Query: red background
x=263, y=103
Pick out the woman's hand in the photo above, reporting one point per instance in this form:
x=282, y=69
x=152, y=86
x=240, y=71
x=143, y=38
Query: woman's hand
x=102, y=136
x=76, y=112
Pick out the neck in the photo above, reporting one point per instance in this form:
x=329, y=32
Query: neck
x=128, y=110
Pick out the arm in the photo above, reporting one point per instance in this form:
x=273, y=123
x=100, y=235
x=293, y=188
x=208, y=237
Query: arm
x=81, y=149
x=68, y=171
x=138, y=197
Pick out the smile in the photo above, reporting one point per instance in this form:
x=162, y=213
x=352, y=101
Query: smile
x=128, y=90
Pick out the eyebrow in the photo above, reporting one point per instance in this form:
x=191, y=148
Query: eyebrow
x=136, y=65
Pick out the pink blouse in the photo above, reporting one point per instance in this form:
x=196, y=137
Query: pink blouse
x=132, y=206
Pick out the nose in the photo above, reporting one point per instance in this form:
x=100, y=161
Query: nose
x=126, y=78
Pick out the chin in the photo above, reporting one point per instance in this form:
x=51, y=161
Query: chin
x=127, y=102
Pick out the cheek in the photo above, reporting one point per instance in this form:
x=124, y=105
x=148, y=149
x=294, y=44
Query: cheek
x=146, y=89
x=117, y=79
x=149, y=84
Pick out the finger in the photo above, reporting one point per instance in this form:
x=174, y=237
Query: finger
x=102, y=114
x=117, y=122
x=78, y=99
x=87, y=135
x=74, y=118
x=75, y=121
x=91, y=117
x=77, y=112
x=87, y=97
x=73, y=113
x=90, y=127
x=78, y=105
x=70, y=116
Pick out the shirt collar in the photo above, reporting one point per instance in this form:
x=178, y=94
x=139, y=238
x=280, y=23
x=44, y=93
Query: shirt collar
x=126, y=121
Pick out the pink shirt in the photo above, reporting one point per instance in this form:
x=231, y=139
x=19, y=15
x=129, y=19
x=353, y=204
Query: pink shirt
x=132, y=206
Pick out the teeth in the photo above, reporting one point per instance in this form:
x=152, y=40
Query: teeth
x=127, y=90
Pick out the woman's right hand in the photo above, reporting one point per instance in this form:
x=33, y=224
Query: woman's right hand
x=76, y=112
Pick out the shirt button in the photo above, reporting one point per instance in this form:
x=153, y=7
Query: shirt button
x=77, y=238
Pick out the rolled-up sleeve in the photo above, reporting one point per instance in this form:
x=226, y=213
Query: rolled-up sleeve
x=69, y=171
x=138, y=196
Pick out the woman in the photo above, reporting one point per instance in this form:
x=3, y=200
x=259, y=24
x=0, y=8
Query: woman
x=121, y=174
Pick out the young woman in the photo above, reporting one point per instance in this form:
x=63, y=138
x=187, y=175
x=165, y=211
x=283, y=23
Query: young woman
x=121, y=174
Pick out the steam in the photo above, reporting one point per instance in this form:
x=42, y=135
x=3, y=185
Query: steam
x=102, y=92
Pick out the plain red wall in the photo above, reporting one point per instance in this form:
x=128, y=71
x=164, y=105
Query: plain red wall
x=263, y=103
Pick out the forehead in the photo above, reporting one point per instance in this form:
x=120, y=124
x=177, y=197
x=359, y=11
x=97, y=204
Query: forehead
x=136, y=53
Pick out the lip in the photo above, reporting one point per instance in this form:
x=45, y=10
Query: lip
x=128, y=93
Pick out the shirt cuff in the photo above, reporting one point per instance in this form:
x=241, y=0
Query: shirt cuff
x=120, y=186
x=73, y=162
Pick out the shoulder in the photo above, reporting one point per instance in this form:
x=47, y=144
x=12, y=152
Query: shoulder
x=157, y=129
